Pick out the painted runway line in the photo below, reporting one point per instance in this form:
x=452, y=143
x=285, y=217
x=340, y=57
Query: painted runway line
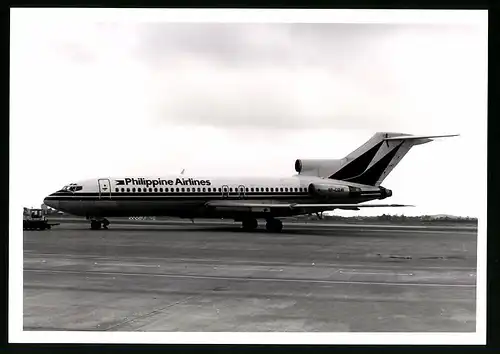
x=288, y=280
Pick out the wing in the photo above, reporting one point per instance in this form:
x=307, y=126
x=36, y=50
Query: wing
x=253, y=206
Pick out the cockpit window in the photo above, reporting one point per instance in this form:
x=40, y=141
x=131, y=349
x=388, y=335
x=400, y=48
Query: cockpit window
x=72, y=188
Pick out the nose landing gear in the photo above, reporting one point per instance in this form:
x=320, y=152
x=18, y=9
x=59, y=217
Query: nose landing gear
x=96, y=224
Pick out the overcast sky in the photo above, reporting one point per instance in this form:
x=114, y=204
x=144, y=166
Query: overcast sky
x=104, y=97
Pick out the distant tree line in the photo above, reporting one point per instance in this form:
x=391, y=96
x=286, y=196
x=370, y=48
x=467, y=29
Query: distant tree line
x=393, y=218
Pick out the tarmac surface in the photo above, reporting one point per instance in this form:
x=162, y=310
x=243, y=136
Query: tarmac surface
x=217, y=277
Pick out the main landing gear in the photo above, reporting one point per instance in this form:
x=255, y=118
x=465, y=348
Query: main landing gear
x=249, y=224
x=272, y=225
x=96, y=224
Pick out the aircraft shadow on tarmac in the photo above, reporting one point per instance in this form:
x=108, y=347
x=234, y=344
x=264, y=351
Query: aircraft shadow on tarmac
x=218, y=229
x=234, y=229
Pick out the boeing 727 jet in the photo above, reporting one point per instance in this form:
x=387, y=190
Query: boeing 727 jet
x=320, y=185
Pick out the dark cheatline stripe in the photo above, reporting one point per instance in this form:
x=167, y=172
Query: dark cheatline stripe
x=372, y=175
x=178, y=194
x=169, y=196
x=358, y=165
x=187, y=193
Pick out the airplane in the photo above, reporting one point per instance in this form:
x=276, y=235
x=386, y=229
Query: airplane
x=318, y=186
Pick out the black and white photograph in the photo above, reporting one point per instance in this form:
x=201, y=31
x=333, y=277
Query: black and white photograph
x=248, y=176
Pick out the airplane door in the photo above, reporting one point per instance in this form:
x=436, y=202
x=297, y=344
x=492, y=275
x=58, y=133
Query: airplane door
x=225, y=191
x=241, y=191
x=104, y=188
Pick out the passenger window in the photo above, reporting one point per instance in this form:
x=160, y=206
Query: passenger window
x=150, y=190
x=117, y=189
x=182, y=189
x=281, y=189
x=161, y=190
x=267, y=189
x=286, y=189
x=203, y=189
x=128, y=189
x=133, y=190
x=156, y=190
x=230, y=189
x=188, y=189
x=296, y=190
x=199, y=189
x=123, y=190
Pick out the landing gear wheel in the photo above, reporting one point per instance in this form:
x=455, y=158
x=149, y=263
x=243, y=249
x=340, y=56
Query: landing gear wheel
x=274, y=225
x=95, y=225
x=105, y=224
x=249, y=224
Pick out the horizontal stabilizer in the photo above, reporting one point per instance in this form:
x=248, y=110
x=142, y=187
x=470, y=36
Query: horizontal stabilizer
x=413, y=137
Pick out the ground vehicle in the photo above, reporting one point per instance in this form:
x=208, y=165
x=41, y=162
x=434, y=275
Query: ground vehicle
x=34, y=219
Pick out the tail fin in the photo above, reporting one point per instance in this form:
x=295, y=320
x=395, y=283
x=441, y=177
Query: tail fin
x=372, y=162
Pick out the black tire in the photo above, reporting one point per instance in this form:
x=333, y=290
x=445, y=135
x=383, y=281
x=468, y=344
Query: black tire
x=278, y=226
x=274, y=225
x=95, y=225
x=250, y=224
x=105, y=224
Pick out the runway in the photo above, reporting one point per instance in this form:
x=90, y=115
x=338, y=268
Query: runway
x=215, y=277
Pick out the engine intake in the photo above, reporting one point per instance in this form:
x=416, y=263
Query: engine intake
x=317, y=167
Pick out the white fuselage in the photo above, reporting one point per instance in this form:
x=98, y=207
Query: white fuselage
x=186, y=196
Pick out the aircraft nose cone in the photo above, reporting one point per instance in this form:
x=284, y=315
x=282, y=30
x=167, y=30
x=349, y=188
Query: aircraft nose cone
x=51, y=203
x=389, y=192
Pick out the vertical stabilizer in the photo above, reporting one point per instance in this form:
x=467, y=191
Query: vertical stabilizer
x=385, y=152
x=370, y=163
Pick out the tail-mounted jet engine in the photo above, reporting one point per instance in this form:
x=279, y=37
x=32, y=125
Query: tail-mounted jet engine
x=311, y=167
x=327, y=190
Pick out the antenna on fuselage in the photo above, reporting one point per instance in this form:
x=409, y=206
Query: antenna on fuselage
x=182, y=172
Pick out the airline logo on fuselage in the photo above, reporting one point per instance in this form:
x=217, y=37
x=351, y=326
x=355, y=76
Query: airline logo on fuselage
x=163, y=182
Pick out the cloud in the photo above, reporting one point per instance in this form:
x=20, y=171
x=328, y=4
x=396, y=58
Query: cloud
x=224, y=43
x=296, y=76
